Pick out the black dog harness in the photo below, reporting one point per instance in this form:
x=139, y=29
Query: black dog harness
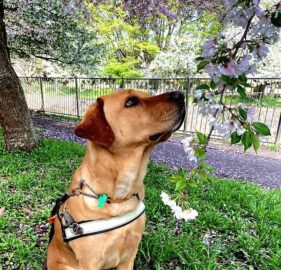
x=72, y=230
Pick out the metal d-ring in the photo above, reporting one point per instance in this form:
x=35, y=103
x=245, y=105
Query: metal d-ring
x=76, y=228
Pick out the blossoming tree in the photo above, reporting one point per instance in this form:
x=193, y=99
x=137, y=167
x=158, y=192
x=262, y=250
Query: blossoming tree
x=249, y=28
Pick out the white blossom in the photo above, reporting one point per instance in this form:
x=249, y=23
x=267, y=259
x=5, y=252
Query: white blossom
x=198, y=94
x=186, y=215
x=240, y=130
x=212, y=121
x=210, y=96
x=204, y=109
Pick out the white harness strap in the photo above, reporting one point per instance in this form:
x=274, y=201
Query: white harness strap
x=87, y=228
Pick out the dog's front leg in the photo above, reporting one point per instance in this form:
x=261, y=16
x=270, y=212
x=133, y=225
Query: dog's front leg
x=127, y=265
x=85, y=265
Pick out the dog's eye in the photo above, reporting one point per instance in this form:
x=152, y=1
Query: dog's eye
x=132, y=101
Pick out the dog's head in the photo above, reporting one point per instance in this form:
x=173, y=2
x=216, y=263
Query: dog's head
x=129, y=118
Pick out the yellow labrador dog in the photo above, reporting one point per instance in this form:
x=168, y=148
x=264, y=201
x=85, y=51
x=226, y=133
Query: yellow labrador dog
x=99, y=223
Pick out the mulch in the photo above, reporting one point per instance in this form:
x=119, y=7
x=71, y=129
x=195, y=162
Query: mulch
x=227, y=164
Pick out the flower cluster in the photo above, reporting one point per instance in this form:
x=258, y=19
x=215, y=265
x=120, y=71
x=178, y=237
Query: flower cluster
x=228, y=58
x=230, y=125
x=186, y=142
x=188, y=214
x=231, y=52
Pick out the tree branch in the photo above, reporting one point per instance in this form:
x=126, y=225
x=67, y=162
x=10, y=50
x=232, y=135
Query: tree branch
x=234, y=54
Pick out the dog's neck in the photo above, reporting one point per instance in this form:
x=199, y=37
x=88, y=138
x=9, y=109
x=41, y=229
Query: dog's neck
x=120, y=175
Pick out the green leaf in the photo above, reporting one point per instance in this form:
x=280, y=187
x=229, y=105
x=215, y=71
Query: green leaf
x=202, y=64
x=262, y=129
x=235, y=138
x=243, y=113
x=247, y=140
x=175, y=178
x=256, y=142
x=192, y=184
x=242, y=78
x=228, y=80
x=182, y=172
x=203, y=86
x=200, y=58
x=201, y=137
x=181, y=184
x=276, y=18
x=213, y=84
x=242, y=91
x=200, y=153
x=246, y=84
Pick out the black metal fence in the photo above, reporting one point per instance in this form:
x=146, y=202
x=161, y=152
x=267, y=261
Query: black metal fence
x=72, y=96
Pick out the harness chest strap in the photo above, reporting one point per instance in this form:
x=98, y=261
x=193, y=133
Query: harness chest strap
x=72, y=229
x=86, y=228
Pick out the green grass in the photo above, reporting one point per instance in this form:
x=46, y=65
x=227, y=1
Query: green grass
x=244, y=219
x=267, y=101
x=50, y=89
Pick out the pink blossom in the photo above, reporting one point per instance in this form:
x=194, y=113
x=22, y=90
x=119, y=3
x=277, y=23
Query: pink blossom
x=230, y=125
x=244, y=65
x=229, y=69
x=258, y=11
x=229, y=3
x=250, y=114
x=261, y=50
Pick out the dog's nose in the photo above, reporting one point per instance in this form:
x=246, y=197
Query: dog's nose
x=177, y=96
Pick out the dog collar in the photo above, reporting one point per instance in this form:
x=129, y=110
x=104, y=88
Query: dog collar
x=75, y=230
x=102, y=198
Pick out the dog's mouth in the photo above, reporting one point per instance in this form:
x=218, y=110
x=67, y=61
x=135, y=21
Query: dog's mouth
x=179, y=121
x=155, y=137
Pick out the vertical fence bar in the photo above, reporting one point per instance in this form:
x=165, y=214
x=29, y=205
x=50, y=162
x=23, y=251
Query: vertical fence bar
x=77, y=97
x=122, y=83
x=42, y=95
x=186, y=103
x=278, y=130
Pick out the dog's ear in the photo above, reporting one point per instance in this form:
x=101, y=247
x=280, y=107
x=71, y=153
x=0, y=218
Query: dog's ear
x=94, y=125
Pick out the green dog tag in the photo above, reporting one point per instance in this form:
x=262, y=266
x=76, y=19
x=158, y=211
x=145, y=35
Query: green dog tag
x=102, y=200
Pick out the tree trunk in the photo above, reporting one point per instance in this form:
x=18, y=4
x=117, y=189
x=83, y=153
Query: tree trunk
x=14, y=115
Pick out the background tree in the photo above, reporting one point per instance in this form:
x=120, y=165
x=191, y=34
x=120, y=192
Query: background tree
x=52, y=30
x=14, y=115
x=179, y=59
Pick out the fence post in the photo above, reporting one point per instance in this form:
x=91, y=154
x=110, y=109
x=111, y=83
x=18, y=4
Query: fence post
x=42, y=95
x=77, y=97
x=278, y=130
x=122, y=83
x=186, y=103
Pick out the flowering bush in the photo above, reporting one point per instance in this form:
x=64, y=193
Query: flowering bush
x=228, y=59
x=178, y=61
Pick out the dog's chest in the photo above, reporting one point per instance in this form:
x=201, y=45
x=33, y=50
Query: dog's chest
x=107, y=250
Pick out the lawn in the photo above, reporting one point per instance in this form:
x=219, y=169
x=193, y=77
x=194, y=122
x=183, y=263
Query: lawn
x=238, y=227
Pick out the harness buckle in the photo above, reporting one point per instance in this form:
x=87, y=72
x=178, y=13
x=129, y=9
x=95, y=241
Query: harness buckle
x=76, y=228
x=76, y=192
